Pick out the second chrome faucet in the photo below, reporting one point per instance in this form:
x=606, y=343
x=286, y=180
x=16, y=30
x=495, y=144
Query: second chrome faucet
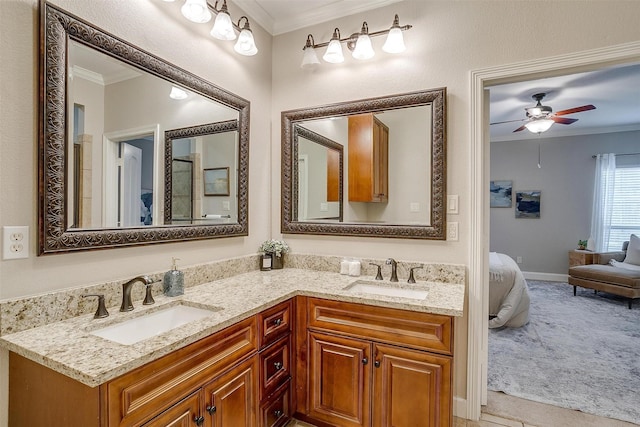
x=126, y=292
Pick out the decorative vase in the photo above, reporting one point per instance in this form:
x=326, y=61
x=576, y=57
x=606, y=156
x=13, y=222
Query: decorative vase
x=277, y=262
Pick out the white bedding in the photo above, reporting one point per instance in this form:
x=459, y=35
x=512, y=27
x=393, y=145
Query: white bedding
x=508, y=292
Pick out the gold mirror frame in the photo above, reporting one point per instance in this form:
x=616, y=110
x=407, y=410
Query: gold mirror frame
x=57, y=27
x=436, y=230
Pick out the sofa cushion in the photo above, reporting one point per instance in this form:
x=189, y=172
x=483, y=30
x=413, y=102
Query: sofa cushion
x=607, y=274
x=633, y=251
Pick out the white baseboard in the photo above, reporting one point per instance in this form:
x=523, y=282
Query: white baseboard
x=549, y=277
x=460, y=407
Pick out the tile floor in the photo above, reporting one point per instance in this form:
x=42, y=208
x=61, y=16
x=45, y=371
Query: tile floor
x=508, y=411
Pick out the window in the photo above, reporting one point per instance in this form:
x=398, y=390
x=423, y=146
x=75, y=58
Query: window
x=625, y=215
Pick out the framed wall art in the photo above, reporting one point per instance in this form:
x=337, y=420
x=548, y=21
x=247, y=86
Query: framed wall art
x=528, y=204
x=216, y=182
x=501, y=194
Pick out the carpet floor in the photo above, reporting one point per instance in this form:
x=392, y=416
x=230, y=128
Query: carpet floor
x=579, y=352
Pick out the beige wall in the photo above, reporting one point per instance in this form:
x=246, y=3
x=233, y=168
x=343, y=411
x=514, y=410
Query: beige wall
x=448, y=40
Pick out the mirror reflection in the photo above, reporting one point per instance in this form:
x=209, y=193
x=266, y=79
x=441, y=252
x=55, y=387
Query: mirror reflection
x=393, y=170
x=105, y=106
x=201, y=179
x=118, y=114
x=319, y=175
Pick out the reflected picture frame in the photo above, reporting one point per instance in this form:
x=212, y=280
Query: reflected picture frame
x=216, y=181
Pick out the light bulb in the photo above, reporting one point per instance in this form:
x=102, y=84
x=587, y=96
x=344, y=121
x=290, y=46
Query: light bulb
x=246, y=45
x=223, y=27
x=395, y=41
x=196, y=11
x=363, y=49
x=334, y=52
x=177, y=93
x=310, y=58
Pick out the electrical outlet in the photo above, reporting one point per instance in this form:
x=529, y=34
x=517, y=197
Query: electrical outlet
x=519, y=260
x=324, y=207
x=15, y=242
x=452, y=231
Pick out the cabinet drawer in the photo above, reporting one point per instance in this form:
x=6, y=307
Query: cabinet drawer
x=274, y=323
x=422, y=331
x=276, y=411
x=275, y=366
x=148, y=390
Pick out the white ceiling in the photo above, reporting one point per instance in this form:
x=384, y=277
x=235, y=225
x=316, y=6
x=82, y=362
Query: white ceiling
x=282, y=16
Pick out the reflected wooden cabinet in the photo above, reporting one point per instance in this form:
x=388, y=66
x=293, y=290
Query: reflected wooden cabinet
x=374, y=366
x=368, y=159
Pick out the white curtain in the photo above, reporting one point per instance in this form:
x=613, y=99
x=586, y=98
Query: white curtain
x=603, y=200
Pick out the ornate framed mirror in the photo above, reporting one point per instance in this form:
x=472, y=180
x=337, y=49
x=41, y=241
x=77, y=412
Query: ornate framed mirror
x=394, y=169
x=104, y=104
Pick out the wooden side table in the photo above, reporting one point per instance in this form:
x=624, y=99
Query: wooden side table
x=579, y=257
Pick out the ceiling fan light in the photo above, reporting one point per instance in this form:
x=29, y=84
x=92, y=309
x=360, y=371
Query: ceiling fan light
x=539, y=126
x=196, y=11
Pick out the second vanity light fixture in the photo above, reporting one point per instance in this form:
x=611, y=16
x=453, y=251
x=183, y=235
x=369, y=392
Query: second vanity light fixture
x=358, y=43
x=199, y=11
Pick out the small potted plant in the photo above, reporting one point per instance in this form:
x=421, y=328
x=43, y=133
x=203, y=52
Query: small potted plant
x=275, y=249
x=582, y=244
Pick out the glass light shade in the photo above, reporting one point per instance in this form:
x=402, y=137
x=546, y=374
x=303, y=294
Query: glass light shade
x=395, y=41
x=246, y=45
x=196, y=11
x=535, y=111
x=539, y=126
x=363, y=49
x=310, y=58
x=177, y=93
x=223, y=27
x=334, y=52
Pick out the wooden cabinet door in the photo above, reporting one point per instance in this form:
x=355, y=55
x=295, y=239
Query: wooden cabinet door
x=231, y=400
x=185, y=413
x=380, y=161
x=339, y=380
x=411, y=388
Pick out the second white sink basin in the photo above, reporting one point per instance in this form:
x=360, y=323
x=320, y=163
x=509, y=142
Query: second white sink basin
x=152, y=324
x=387, y=289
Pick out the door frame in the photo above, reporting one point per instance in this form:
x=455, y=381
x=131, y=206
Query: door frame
x=478, y=332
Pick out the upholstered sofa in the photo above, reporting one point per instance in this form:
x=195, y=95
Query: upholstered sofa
x=602, y=276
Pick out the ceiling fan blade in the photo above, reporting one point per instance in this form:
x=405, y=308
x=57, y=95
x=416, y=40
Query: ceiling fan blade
x=563, y=120
x=520, y=128
x=575, y=110
x=507, y=121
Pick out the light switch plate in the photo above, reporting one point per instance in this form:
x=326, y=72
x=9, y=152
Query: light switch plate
x=452, y=204
x=15, y=242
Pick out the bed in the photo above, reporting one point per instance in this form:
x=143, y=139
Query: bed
x=508, y=293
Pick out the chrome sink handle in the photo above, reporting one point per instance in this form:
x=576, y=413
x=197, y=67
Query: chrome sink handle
x=102, y=309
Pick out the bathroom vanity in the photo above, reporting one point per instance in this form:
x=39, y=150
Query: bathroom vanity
x=277, y=344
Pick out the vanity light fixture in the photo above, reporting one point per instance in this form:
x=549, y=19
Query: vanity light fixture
x=358, y=43
x=200, y=11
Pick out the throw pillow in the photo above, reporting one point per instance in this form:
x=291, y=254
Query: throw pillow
x=633, y=251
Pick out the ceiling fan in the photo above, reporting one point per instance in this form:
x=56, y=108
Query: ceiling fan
x=540, y=117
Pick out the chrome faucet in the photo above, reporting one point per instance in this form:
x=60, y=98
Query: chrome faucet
x=394, y=269
x=126, y=292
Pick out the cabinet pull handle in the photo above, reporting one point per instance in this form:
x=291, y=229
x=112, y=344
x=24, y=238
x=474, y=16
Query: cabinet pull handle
x=278, y=321
x=277, y=413
x=199, y=420
x=277, y=365
x=376, y=363
x=211, y=409
x=365, y=361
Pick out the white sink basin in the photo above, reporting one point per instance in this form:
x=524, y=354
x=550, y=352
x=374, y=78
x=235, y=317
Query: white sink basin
x=152, y=324
x=387, y=289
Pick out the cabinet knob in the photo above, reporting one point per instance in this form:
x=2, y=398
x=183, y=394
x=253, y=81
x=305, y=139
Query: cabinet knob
x=211, y=409
x=199, y=420
x=277, y=365
x=376, y=363
x=278, y=413
x=278, y=321
x=365, y=361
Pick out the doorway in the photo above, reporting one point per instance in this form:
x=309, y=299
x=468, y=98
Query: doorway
x=479, y=189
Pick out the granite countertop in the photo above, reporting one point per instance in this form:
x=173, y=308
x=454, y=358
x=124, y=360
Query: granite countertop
x=69, y=348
